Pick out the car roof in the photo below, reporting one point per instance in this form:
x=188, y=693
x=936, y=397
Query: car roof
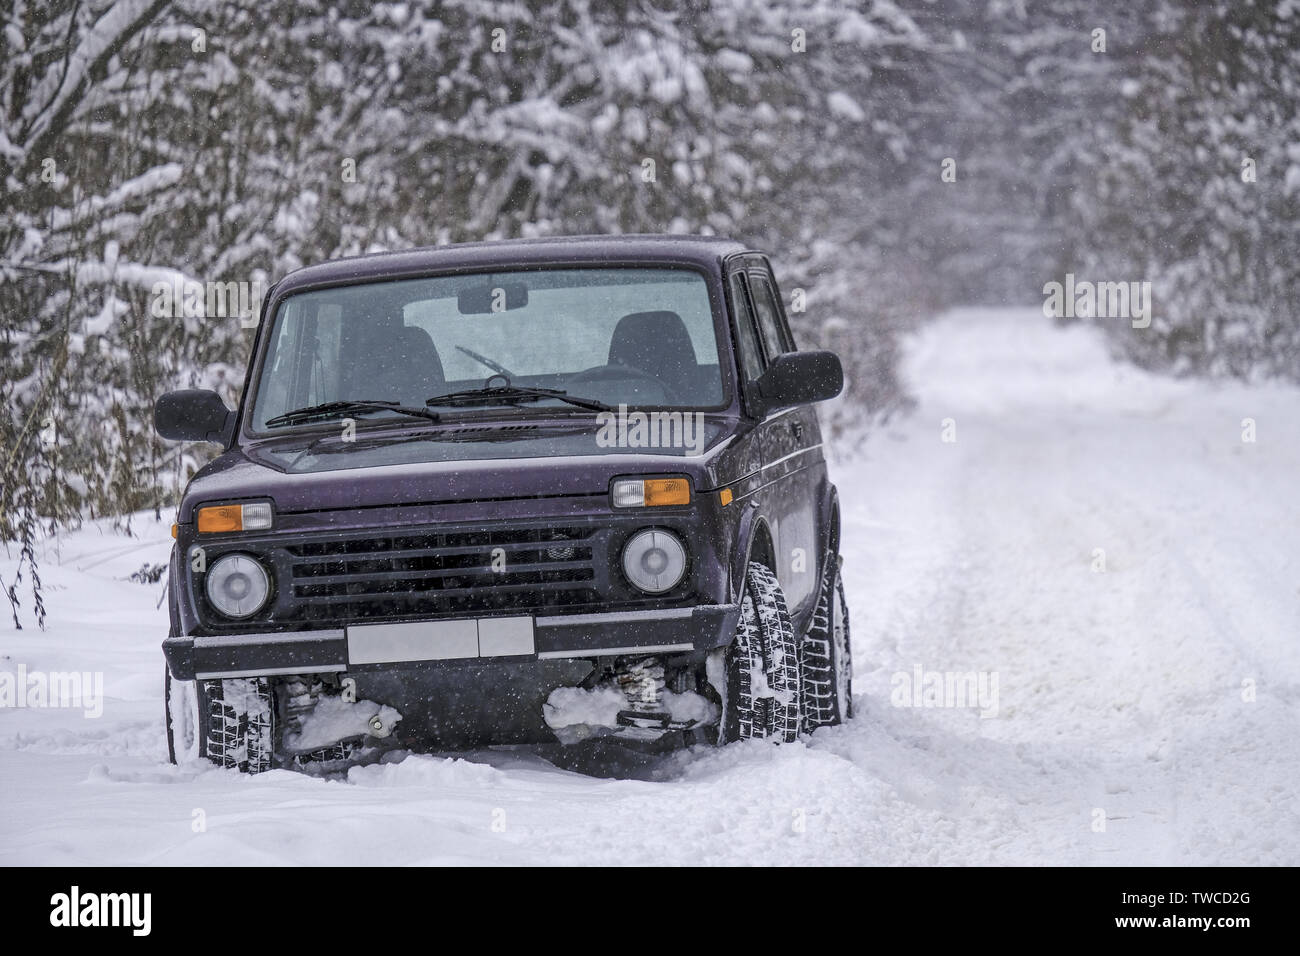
x=702, y=251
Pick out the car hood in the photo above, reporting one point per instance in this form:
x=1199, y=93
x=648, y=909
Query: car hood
x=433, y=464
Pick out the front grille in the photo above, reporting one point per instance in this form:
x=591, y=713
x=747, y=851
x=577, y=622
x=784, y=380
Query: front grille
x=446, y=572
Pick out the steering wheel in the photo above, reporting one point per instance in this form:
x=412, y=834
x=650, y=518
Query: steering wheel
x=606, y=373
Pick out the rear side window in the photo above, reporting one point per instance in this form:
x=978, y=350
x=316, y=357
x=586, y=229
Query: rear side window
x=769, y=317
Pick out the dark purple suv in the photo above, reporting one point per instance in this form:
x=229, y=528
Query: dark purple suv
x=509, y=492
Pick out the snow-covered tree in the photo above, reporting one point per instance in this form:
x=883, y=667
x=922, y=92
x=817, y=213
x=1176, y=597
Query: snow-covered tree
x=1198, y=189
x=894, y=155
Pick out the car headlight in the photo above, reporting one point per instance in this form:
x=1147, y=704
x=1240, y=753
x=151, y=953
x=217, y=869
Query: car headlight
x=238, y=585
x=654, y=560
x=253, y=516
x=649, y=492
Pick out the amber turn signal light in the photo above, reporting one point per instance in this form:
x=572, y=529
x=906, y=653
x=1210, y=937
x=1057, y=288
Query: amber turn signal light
x=222, y=518
x=667, y=491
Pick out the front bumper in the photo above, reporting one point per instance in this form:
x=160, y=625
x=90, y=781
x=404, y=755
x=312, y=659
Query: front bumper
x=483, y=640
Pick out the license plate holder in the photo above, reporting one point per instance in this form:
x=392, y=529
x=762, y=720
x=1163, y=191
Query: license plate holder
x=405, y=642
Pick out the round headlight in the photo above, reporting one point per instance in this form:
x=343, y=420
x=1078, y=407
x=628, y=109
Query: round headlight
x=654, y=560
x=237, y=585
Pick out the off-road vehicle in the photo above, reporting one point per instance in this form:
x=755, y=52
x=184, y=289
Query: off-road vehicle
x=510, y=492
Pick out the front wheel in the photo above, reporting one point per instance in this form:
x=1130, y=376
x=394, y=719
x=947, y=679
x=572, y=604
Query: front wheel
x=240, y=727
x=230, y=722
x=762, y=666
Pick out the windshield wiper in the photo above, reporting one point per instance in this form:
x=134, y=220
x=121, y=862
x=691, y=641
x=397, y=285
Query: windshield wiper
x=340, y=409
x=510, y=395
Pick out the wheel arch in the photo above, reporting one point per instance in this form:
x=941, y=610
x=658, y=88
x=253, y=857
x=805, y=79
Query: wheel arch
x=755, y=544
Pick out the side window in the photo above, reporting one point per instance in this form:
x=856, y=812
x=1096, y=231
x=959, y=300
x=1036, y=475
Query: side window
x=748, y=355
x=769, y=317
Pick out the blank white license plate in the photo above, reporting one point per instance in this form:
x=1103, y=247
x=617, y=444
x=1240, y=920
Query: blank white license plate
x=440, y=640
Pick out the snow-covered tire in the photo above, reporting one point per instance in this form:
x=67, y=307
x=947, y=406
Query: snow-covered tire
x=762, y=666
x=181, y=713
x=826, y=655
x=240, y=726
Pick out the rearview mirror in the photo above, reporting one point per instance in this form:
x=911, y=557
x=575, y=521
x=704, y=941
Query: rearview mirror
x=485, y=299
x=800, y=378
x=193, y=414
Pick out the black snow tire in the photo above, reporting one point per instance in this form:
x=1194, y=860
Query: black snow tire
x=240, y=727
x=826, y=655
x=762, y=665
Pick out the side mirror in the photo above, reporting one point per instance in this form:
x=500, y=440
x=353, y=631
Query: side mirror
x=800, y=378
x=193, y=414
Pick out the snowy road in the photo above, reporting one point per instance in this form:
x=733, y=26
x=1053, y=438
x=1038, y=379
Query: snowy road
x=1145, y=713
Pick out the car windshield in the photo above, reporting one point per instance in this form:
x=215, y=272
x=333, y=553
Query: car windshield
x=639, y=337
